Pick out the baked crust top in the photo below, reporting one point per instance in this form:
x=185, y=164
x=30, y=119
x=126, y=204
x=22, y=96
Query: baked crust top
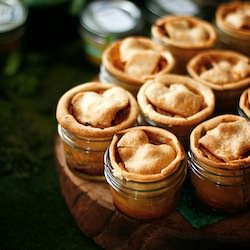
x=223, y=142
x=96, y=109
x=135, y=59
x=145, y=153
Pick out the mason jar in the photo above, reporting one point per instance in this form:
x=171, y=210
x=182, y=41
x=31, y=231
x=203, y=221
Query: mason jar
x=158, y=8
x=145, y=200
x=84, y=155
x=223, y=189
x=219, y=182
x=86, y=139
x=231, y=36
x=184, y=37
x=102, y=22
x=140, y=51
x=158, y=116
x=13, y=16
x=146, y=196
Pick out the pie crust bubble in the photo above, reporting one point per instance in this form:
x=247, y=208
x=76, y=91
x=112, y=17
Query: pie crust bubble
x=176, y=103
x=130, y=61
x=88, y=116
x=145, y=167
x=226, y=72
x=184, y=37
x=219, y=162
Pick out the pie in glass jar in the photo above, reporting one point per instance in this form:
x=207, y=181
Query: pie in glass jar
x=220, y=162
x=145, y=167
x=176, y=103
x=226, y=72
x=233, y=25
x=184, y=37
x=88, y=116
x=130, y=61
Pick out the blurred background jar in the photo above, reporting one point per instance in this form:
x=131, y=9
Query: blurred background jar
x=13, y=16
x=102, y=22
x=158, y=8
x=232, y=22
x=223, y=185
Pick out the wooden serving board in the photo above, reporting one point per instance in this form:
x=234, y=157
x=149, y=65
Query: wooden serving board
x=90, y=203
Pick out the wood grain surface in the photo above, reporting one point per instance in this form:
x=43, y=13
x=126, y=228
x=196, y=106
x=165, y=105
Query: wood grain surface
x=90, y=203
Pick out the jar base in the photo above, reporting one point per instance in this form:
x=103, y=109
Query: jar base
x=87, y=176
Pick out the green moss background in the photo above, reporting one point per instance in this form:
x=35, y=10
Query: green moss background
x=33, y=214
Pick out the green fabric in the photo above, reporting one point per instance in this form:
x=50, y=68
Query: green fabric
x=197, y=214
x=33, y=214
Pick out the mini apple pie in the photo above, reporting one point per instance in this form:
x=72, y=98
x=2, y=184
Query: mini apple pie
x=244, y=103
x=88, y=116
x=226, y=72
x=176, y=103
x=184, y=36
x=233, y=25
x=130, y=61
x=220, y=162
x=145, y=167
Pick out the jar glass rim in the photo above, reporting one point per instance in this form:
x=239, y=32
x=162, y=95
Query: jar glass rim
x=174, y=179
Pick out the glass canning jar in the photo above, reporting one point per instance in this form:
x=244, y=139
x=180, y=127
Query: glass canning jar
x=85, y=142
x=117, y=69
x=84, y=155
x=223, y=189
x=102, y=22
x=219, y=162
x=13, y=17
x=181, y=126
x=145, y=167
x=232, y=34
x=145, y=200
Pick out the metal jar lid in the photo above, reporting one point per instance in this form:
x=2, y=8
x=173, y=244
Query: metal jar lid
x=115, y=18
x=159, y=8
x=13, y=14
x=44, y=3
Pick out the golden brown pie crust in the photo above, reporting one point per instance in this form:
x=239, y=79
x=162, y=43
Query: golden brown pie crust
x=113, y=63
x=231, y=7
x=124, y=118
x=227, y=126
x=183, y=123
x=159, y=32
x=244, y=102
x=156, y=136
x=204, y=61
